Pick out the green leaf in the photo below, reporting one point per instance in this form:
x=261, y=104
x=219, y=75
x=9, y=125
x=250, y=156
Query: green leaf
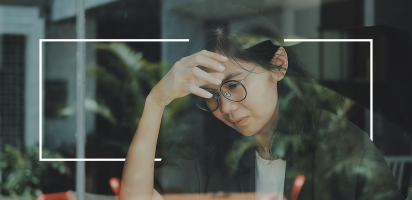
x=409, y=197
x=22, y=171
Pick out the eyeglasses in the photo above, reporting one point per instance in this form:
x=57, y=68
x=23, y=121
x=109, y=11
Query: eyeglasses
x=232, y=90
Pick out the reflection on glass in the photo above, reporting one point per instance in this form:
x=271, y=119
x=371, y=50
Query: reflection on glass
x=322, y=115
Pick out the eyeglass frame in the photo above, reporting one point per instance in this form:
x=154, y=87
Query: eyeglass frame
x=220, y=90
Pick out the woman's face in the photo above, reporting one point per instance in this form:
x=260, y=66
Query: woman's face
x=256, y=113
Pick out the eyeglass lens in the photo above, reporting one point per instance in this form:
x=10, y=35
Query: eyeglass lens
x=231, y=90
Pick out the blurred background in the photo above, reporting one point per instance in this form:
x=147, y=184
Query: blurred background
x=120, y=75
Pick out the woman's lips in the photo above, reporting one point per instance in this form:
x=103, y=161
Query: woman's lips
x=240, y=122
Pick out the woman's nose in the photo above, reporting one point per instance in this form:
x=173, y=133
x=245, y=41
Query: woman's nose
x=227, y=106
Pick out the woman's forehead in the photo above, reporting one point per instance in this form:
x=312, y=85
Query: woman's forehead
x=233, y=66
x=229, y=75
x=238, y=64
x=234, y=71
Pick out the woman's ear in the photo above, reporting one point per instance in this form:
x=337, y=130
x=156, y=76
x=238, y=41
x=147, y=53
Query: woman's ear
x=280, y=59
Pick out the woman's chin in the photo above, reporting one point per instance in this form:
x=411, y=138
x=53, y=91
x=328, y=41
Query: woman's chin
x=246, y=132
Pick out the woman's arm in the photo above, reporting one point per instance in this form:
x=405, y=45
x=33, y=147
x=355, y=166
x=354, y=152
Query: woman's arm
x=183, y=78
x=137, y=179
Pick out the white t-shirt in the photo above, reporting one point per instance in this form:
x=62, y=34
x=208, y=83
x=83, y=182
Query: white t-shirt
x=269, y=178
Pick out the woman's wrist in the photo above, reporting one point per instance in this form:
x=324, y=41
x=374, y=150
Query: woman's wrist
x=153, y=99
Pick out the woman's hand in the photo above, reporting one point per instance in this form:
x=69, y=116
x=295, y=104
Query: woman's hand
x=185, y=77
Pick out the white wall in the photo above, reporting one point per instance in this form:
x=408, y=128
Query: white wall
x=25, y=20
x=67, y=9
x=60, y=64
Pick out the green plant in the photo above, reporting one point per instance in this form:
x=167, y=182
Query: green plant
x=409, y=196
x=124, y=79
x=23, y=175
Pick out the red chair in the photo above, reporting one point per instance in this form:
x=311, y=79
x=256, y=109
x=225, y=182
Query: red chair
x=297, y=186
x=57, y=196
x=115, y=185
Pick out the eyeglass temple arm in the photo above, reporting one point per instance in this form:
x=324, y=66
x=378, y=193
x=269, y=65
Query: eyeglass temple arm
x=249, y=73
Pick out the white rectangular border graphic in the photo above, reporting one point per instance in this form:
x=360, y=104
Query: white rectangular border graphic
x=371, y=67
x=172, y=40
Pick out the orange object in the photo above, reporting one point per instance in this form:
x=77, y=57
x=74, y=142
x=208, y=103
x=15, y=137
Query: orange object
x=115, y=185
x=297, y=186
x=57, y=196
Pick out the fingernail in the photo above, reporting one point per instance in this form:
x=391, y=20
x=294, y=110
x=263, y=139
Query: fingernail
x=224, y=57
x=209, y=95
x=221, y=68
x=218, y=81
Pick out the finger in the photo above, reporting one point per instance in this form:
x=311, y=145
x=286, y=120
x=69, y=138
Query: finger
x=199, y=59
x=199, y=91
x=213, y=55
x=201, y=76
x=200, y=82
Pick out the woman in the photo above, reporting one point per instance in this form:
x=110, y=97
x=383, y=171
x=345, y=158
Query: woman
x=265, y=131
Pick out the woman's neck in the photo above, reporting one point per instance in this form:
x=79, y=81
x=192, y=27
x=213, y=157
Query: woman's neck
x=263, y=137
x=263, y=146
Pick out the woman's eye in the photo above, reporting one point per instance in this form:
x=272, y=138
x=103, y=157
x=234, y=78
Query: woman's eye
x=233, y=86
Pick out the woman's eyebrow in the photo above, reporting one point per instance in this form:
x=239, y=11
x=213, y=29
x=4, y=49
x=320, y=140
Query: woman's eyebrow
x=231, y=75
x=228, y=77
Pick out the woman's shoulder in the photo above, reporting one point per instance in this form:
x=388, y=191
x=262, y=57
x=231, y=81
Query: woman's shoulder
x=338, y=132
x=341, y=144
x=345, y=155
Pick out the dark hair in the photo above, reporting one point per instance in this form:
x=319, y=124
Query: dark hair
x=255, y=39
